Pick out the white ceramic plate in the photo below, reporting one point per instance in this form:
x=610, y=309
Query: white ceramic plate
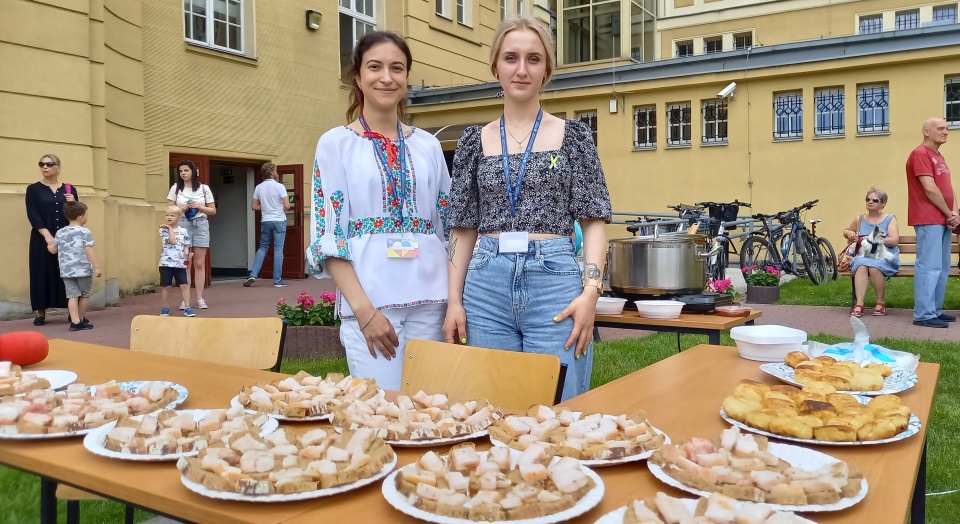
x=797, y=457
x=899, y=380
x=94, y=441
x=428, y=443
x=399, y=501
x=616, y=516
x=58, y=378
x=235, y=401
x=45, y=436
x=135, y=385
x=913, y=427
x=599, y=463
x=222, y=495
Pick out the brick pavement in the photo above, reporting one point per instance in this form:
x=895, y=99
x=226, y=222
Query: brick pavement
x=228, y=298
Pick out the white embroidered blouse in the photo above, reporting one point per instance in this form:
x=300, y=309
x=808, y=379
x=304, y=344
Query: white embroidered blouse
x=353, y=215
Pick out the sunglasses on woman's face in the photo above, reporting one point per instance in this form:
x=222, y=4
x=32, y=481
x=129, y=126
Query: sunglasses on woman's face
x=46, y=164
x=874, y=200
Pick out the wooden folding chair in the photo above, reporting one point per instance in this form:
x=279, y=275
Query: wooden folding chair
x=508, y=379
x=244, y=342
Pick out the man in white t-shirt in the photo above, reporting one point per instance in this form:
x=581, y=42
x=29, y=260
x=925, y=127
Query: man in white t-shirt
x=270, y=199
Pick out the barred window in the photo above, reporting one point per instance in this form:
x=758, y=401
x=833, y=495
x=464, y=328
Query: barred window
x=907, y=20
x=873, y=109
x=645, y=120
x=685, y=48
x=788, y=115
x=589, y=118
x=951, y=101
x=678, y=122
x=712, y=45
x=829, y=103
x=743, y=40
x=945, y=13
x=715, y=122
x=871, y=24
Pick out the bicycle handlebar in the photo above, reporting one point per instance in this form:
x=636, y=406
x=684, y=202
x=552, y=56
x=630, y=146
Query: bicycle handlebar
x=734, y=203
x=781, y=214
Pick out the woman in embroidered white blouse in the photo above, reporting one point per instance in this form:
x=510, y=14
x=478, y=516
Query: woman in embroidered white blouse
x=379, y=217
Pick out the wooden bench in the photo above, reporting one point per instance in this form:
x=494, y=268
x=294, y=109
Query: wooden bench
x=908, y=245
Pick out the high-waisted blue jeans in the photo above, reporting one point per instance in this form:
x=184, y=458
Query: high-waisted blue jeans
x=511, y=299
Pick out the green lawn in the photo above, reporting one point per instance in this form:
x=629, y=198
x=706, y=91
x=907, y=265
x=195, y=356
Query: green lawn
x=899, y=293
x=614, y=359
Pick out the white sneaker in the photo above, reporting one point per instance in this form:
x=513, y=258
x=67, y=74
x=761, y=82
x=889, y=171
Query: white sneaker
x=183, y=306
x=201, y=303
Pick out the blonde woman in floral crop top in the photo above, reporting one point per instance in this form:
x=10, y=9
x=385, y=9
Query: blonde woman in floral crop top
x=520, y=182
x=379, y=217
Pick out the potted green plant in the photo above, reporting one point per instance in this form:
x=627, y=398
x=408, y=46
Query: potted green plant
x=763, y=284
x=313, y=329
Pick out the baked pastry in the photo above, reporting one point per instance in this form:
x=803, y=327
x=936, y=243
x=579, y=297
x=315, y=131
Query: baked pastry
x=493, y=486
x=841, y=375
x=304, y=395
x=417, y=417
x=13, y=380
x=584, y=436
x=285, y=462
x=44, y=411
x=168, y=432
x=715, y=509
x=739, y=466
x=814, y=413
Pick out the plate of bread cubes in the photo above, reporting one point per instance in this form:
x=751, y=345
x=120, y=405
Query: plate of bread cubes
x=818, y=414
x=846, y=377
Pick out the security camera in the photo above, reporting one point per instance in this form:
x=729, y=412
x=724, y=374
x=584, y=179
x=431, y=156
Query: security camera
x=727, y=91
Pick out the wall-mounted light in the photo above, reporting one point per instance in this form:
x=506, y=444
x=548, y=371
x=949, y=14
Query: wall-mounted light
x=313, y=20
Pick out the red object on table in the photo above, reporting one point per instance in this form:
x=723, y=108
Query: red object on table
x=24, y=347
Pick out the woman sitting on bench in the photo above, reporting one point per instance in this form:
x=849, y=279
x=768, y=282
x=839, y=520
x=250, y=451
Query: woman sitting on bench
x=867, y=268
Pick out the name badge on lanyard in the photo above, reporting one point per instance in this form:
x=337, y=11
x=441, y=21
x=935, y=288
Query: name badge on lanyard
x=515, y=241
x=402, y=246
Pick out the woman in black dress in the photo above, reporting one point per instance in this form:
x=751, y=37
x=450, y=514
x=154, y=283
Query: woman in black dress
x=45, y=211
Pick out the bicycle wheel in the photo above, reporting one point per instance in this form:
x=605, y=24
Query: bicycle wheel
x=758, y=251
x=813, y=261
x=830, y=256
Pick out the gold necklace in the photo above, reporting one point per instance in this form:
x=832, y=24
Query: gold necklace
x=521, y=141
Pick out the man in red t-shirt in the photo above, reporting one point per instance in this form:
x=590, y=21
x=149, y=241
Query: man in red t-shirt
x=932, y=211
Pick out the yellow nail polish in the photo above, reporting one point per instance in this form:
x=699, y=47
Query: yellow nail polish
x=556, y=319
x=463, y=340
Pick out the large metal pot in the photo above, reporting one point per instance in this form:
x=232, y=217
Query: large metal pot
x=658, y=265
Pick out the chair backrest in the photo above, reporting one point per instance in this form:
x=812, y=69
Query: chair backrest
x=508, y=379
x=245, y=342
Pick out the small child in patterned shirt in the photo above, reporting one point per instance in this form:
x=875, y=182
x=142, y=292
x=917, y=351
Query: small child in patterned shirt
x=73, y=246
x=173, y=259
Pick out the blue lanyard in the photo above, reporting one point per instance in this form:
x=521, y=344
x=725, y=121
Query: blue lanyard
x=513, y=189
x=398, y=177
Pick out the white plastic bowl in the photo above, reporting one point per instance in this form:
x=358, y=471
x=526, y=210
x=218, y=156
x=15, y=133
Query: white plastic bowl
x=767, y=343
x=659, y=308
x=610, y=305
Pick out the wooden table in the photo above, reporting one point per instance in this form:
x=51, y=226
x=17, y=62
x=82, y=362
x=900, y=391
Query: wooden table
x=681, y=395
x=688, y=323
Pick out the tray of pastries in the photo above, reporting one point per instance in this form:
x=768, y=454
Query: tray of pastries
x=420, y=419
x=14, y=381
x=285, y=465
x=465, y=485
x=593, y=438
x=818, y=414
x=45, y=413
x=713, y=509
x=171, y=434
x=847, y=377
x=748, y=467
x=304, y=397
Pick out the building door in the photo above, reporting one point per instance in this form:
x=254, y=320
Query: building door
x=294, y=257
x=203, y=166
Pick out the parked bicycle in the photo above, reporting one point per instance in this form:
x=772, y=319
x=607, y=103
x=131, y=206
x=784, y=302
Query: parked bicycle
x=829, y=255
x=773, y=244
x=710, y=218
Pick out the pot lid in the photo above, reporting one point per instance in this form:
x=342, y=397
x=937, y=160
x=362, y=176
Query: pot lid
x=672, y=238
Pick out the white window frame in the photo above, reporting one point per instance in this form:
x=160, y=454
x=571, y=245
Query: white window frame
x=951, y=82
x=519, y=7
x=902, y=18
x=944, y=7
x=651, y=129
x=352, y=12
x=715, y=124
x=590, y=119
x=503, y=10
x=793, y=122
x=464, y=10
x=874, y=129
x=864, y=18
x=209, y=27
x=745, y=34
x=717, y=40
x=680, y=126
x=832, y=114
x=443, y=8
x=677, y=44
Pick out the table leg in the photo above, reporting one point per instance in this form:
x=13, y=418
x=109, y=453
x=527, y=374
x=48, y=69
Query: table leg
x=918, y=506
x=48, y=501
x=749, y=323
x=596, y=334
x=714, y=337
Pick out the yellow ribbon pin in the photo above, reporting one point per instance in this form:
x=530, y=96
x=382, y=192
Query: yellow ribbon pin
x=553, y=161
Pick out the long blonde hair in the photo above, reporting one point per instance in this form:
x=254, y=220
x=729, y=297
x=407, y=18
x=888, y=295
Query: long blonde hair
x=532, y=24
